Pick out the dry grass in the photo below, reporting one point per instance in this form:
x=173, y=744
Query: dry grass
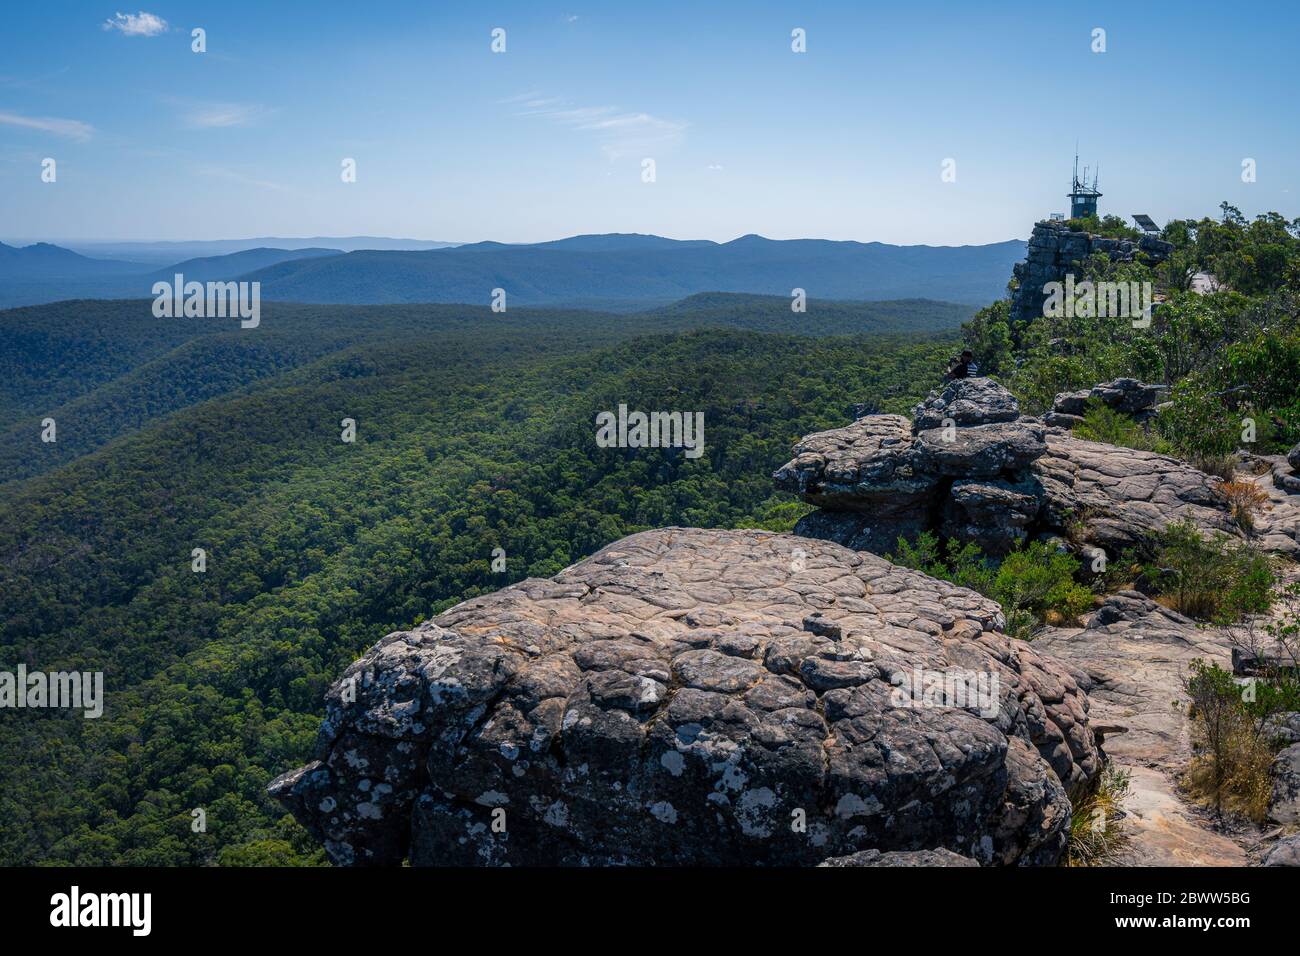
x=1243, y=784
x=1223, y=467
x=1098, y=835
x=1244, y=498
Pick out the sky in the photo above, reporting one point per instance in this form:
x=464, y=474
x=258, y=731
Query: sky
x=455, y=142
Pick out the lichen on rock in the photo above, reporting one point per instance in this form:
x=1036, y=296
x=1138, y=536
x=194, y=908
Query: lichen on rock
x=693, y=697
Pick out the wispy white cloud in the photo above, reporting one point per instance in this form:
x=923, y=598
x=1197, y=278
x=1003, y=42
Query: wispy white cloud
x=220, y=115
x=619, y=133
x=70, y=128
x=137, y=24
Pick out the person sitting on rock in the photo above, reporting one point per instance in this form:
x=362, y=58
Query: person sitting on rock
x=963, y=367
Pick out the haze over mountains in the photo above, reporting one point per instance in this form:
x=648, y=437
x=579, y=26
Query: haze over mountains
x=617, y=271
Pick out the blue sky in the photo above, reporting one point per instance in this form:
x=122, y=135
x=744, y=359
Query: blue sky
x=454, y=142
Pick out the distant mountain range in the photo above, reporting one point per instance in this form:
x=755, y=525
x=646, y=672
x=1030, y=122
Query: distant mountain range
x=45, y=261
x=621, y=272
x=161, y=253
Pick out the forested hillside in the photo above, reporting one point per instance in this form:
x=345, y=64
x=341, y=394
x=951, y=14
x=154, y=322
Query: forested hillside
x=470, y=437
x=102, y=369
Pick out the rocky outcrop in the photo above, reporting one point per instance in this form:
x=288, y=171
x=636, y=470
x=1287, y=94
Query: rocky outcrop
x=967, y=469
x=1055, y=250
x=962, y=463
x=1136, y=653
x=1286, y=471
x=1126, y=395
x=965, y=402
x=701, y=697
x=1283, y=728
x=1121, y=496
x=1277, y=522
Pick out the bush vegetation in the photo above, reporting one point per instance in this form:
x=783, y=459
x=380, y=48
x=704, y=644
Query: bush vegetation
x=1233, y=751
x=1210, y=577
x=1098, y=835
x=1035, y=584
x=1231, y=357
x=1104, y=424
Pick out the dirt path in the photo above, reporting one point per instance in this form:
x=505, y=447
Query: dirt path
x=1136, y=653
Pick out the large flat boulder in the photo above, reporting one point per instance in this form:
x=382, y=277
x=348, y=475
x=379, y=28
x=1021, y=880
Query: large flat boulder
x=1121, y=495
x=1286, y=852
x=917, y=858
x=867, y=466
x=882, y=478
x=998, y=449
x=701, y=697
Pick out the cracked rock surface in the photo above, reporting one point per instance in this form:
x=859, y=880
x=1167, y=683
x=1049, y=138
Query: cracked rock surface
x=999, y=481
x=1133, y=654
x=701, y=697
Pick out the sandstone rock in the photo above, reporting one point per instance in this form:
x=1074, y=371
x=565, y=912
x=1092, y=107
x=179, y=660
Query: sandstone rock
x=1054, y=249
x=980, y=451
x=1131, y=658
x=1122, y=495
x=1128, y=395
x=877, y=533
x=1284, y=803
x=966, y=401
x=680, y=698
x=938, y=857
x=1135, y=654
x=1072, y=403
x=995, y=514
x=1293, y=458
x=1281, y=727
x=1277, y=523
x=869, y=465
x=1286, y=481
x=1060, y=420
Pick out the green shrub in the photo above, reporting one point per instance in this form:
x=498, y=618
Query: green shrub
x=1034, y=584
x=1104, y=424
x=1198, y=424
x=1230, y=769
x=1214, y=578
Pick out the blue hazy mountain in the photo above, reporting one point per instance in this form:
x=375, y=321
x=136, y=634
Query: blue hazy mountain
x=160, y=253
x=645, y=269
x=43, y=260
x=621, y=272
x=43, y=272
x=214, y=268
